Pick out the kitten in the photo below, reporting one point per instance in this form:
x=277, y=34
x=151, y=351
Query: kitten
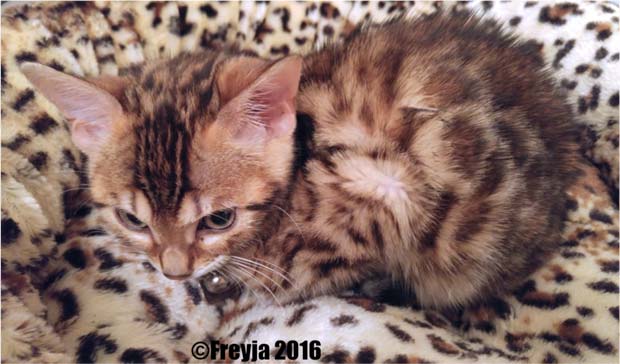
x=434, y=151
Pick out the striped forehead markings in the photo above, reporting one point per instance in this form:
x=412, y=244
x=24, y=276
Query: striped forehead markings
x=170, y=101
x=162, y=147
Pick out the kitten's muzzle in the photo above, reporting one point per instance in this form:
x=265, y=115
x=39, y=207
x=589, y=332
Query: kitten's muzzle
x=175, y=263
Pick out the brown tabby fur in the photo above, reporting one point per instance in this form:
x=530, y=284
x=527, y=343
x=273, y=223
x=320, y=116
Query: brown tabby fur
x=433, y=151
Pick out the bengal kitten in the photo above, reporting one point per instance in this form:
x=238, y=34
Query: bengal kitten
x=434, y=151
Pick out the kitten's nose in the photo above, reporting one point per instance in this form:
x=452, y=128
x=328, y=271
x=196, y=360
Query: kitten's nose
x=177, y=278
x=175, y=263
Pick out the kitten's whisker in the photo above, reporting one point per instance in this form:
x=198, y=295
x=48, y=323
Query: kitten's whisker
x=85, y=188
x=278, y=270
x=225, y=272
x=271, y=264
x=240, y=280
x=244, y=264
x=295, y=223
x=81, y=204
x=251, y=276
x=257, y=264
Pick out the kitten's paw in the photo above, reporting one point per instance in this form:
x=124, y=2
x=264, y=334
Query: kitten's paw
x=482, y=317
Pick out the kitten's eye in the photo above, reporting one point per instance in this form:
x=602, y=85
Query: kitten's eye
x=130, y=221
x=219, y=220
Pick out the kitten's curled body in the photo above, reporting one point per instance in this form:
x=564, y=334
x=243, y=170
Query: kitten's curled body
x=439, y=156
x=435, y=152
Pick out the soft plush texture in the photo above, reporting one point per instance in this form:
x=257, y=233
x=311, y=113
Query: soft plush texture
x=69, y=292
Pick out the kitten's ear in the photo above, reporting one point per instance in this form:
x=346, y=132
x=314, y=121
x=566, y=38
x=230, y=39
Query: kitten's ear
x=265, y=109
x=89, y=109
x=237, y=74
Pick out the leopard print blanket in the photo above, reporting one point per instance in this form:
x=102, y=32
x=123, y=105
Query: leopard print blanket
x=69, y=294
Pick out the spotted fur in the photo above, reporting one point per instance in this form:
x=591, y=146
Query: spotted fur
x=559, y=315
x=461, y=178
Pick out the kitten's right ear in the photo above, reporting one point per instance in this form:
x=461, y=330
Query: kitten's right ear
x=262, y=103
x=89, y=109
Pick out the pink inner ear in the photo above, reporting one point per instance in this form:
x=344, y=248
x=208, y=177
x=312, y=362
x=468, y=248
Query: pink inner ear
x=266, y=110
x=90, y=109
x=87, y=135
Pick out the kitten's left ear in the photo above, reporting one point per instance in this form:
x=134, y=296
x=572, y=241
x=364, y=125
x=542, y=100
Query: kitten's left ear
x=90, y=109
x=265, y=109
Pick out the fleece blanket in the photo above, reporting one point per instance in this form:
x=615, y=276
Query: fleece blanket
x=70, y=294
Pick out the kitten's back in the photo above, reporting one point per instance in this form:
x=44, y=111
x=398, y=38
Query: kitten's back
x=476, y=138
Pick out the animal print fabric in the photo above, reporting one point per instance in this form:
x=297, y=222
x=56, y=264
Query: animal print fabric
x=69, y=293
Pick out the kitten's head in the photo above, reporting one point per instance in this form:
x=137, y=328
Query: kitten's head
x=183, y=152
